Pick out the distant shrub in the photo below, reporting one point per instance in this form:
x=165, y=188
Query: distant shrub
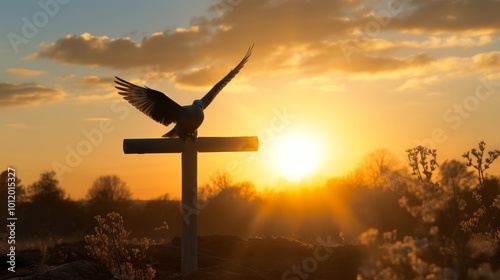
x=108, y=246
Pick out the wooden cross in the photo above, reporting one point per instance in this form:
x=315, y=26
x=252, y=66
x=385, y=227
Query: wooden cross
x=189, y=153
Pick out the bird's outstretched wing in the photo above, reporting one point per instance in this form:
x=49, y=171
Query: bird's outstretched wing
x=149, y=101
x=209, y=97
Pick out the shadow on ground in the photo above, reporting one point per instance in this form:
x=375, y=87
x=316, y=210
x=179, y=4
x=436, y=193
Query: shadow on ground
x=219, y=257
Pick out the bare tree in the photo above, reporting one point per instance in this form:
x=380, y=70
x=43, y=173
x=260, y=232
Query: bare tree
x=218, y=182
x=377, y=165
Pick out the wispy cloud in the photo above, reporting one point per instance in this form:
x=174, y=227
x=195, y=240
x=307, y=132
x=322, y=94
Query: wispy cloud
x=66, y=77
x=311, y=81
x=24, y=72
x=27, y=94
x=16, y=125
x=23, y=126
x=418, y=83
x=487, y=61
x=199, y=77
x=430, y=43
x=97, y=97
x=320, y=83
x=96, y=119
x=95, y=81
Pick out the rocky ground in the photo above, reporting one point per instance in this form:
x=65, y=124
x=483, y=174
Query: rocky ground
x=220, y=257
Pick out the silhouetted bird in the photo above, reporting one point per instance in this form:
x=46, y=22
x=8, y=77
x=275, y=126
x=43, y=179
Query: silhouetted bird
x=166, y=111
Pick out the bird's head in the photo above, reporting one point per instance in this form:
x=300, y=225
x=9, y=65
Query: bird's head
x=198, y=103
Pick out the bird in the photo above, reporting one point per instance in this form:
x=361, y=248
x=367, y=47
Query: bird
x=164, y=110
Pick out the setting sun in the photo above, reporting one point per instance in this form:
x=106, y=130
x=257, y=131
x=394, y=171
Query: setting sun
x=297, y=156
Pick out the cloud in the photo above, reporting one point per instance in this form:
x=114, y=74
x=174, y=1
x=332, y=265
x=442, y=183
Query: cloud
x=24, y=72
x=66, y=77
x=418, y=83
x=320, y=83
x=200, y=77
x=493, y=76
x=487, y=61
x=23, y=126
x=430, y=43
x=95, y=81
x=97, y=97
x=96, y=119
x=330, y=88
x=15, y=125
x=311, y=81
x=444, y=16
x=291, y=36
x=171, y=50
x=204, y=44
x=27, y=94
x=374, y=64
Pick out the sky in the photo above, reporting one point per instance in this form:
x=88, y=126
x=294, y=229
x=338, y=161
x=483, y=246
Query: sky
x=348, y=76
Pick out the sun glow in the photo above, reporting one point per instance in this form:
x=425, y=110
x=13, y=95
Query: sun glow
x=297, y=156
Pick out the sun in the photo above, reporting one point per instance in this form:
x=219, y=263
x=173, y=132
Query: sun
x=297, y=156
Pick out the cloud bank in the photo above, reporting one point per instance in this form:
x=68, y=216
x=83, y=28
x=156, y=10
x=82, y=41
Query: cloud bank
x=312, y=36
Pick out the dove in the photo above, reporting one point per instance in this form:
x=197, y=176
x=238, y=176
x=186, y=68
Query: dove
x=164, y=110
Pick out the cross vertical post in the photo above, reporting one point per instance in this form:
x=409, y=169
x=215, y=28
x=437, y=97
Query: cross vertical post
x=189, y=156
x=189, y=208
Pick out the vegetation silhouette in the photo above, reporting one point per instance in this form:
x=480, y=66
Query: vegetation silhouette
x=428, y=220
x=108, y=194
x=457, y=234
x=47, y=211
x=108, y=247
x=19, y=196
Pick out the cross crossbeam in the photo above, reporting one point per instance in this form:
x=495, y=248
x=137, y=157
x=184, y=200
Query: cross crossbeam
x=189, y=154
x=202, y=145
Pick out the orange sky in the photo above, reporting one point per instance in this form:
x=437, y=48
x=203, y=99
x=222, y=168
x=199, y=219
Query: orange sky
x=354, y=75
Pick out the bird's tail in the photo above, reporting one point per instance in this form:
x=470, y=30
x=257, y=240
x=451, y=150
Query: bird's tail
x=172, y=133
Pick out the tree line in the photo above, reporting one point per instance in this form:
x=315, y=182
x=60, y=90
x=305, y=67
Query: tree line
x=45, y=210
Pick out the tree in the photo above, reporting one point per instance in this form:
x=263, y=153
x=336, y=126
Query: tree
x=46, y=189
x=218, y=182
x=20, y=191
x=108, y=193
x=377, y=166
x=4, y=192
x=48, y=211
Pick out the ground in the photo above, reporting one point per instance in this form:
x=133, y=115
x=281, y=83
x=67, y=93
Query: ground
x=220, y=257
